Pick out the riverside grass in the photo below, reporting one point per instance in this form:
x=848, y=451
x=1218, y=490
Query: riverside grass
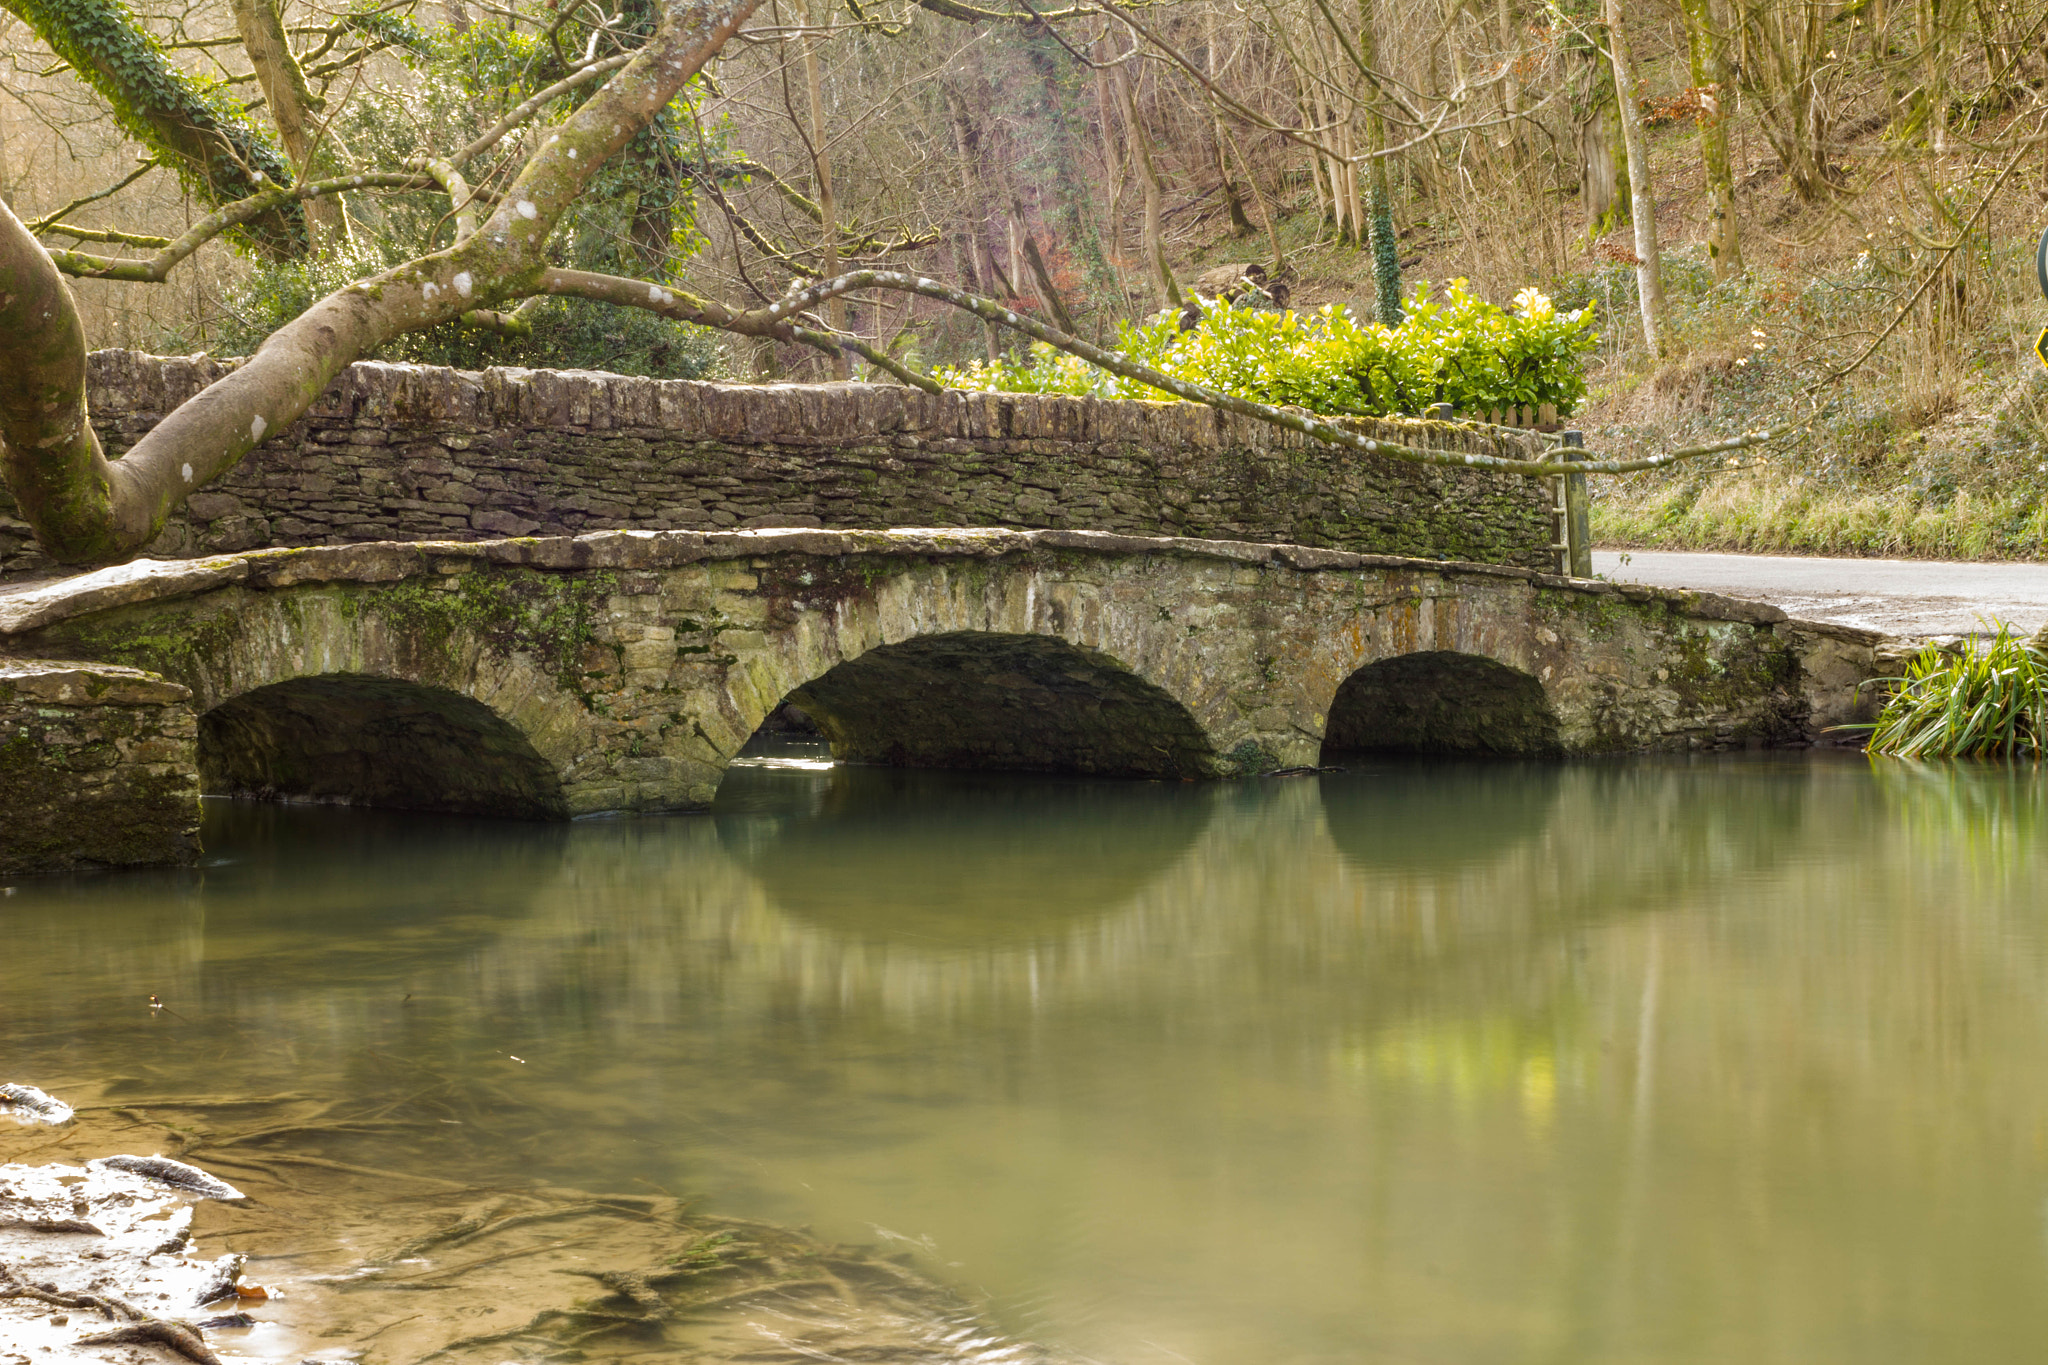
x=1987, y=700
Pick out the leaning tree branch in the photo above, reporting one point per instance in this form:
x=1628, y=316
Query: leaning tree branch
x=972, y=14
x=149, y=163
x=526, y=109
x=155, y=269
x=113, y=235
x=460, y=196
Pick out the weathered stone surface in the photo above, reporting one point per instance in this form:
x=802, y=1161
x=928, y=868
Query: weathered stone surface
x=98, y=767
x=624, y=670
x=398, y=452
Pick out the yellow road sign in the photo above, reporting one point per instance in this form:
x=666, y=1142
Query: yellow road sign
x=2041, y=345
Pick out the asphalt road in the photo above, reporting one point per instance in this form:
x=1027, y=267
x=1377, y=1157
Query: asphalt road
x=1896, y=596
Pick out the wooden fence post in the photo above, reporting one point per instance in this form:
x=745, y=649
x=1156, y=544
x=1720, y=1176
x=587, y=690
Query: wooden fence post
x=1578, y=511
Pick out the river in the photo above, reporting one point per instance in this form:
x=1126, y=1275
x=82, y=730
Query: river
x=1714, y=1060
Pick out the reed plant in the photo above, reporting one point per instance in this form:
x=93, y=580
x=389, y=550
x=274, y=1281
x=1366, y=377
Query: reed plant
x=1988, y=699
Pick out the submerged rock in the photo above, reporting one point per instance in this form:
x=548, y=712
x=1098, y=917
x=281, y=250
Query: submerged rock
x=26, y=1104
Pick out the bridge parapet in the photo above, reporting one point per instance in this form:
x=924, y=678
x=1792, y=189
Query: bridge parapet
x=622, y=671
x=405, y=452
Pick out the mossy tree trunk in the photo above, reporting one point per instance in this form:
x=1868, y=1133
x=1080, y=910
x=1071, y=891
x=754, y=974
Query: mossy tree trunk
x=290, y=102
x=1379, y=221
x=1713, y=75
x=199, y=133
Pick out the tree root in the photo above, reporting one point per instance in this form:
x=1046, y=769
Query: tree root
x=13, y=1287
x=443, y=1279
x=460, y=1229
x=179, y=1338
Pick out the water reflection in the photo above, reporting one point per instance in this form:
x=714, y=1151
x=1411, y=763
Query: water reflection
x=1685, y=1061
x=1389, y=813
x=1024, y=857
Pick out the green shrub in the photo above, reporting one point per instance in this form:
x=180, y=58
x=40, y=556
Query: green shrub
x=1988, y=701
x=1464, y=351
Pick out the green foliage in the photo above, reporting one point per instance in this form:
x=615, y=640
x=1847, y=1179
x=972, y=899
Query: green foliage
x=1463, y=351
x=1386, y=254
x=377, y=25
x=1990, y=700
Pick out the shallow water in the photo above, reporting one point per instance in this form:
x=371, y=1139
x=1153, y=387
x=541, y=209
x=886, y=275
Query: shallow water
x=1733, y=1060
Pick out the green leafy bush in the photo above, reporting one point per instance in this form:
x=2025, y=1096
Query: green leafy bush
x=1463, y=351
x=1988, y=701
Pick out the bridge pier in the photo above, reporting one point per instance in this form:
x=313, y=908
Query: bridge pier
x=623, y=671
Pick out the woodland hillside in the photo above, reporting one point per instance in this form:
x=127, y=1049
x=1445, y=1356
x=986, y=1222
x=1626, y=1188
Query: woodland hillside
x=1783, y=212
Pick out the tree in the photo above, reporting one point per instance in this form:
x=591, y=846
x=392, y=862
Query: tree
x=1642, y=196
x=217, y=152
x=1713, y=77
x=87, y=508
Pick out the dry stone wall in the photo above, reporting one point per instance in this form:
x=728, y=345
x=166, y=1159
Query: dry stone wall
x=401, y=452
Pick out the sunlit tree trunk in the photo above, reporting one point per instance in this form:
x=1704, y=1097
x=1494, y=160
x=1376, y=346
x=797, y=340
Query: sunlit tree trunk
x=821, y=171
x=1233, y=202
x=1642, y=198
x=1603, y=181
x=1148, y=179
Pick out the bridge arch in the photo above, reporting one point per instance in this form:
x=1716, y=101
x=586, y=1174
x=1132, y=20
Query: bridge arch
x=1444, y=702
x=337, y=693
x=363, y=739
x=1003, y=700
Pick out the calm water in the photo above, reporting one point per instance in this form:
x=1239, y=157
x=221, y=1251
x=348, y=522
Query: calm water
x=1720, y=1061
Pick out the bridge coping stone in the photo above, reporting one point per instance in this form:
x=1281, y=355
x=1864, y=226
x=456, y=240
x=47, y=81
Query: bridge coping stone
x=30, y=606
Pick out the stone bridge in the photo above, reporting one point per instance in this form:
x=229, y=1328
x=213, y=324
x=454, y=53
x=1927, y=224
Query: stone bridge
x=622, y=671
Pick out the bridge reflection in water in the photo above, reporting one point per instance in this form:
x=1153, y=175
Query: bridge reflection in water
x=1674, y=1060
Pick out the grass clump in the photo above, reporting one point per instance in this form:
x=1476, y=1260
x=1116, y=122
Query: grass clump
x=1463, y=351
x=1989, y=700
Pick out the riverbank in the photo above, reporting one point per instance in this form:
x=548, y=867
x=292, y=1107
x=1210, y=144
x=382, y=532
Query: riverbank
x=1958, y=470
